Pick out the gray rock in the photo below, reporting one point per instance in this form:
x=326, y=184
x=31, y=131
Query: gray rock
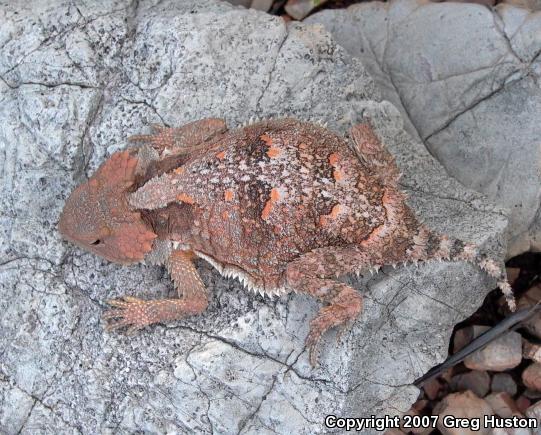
x=531, y=351
x=529, y=299
x=475, y=381
x=502, y=404
x=533, y=5
x=465, y=405
x=466, y=335
x=76, y=80
x=534, y=411
x=466, y=77
x=503, y=383
x=299, y=9
x=531, y=377
x=260, y=5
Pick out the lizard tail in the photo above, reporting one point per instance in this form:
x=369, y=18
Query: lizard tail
x=430, y=245
x=494, y=269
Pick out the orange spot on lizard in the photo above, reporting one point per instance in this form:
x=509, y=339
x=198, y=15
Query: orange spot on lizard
x=274, y=197
x=338, y=175
x=221, y=155
x=266, y=138
x=185, y=198
x=273, y=152
x=178, y=170
x=335, y=212
x=229, y=195
x=333, y=159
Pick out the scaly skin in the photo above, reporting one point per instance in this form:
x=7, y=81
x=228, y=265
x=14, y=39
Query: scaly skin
x=284, y=205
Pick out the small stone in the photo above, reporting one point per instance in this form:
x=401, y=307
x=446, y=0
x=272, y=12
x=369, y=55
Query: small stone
x=415, y=430
x=511, y=431
x=529, y=299
x=421, y=404
x=446, y=375
x=476, y=381
x=488, y=3
x=531, y=351
x=501, y=354
x=534, y=411
x=503, y=382
x=531, y=377
x=533, y=5
x=512, y=274
x=462, y=405
x=523, y=403
x=432, y=388
x=502, y=404
x=261, y=5
x=465, y=335
x=533, y=395
x=299, y=9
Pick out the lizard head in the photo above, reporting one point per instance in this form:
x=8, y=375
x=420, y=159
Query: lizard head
x=98, y=218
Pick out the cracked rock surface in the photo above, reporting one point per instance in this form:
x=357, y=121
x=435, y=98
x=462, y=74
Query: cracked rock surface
x=467, y=80
x=76, y=79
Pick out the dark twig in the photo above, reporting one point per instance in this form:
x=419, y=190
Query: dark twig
x=510, y=323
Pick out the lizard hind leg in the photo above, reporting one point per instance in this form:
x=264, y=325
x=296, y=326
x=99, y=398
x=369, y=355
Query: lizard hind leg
x=314, y=274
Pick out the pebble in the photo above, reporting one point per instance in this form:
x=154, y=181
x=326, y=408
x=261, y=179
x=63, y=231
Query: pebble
x=261, y=5
x=501, y=354
x=503, y=382
x=531, y=351
x=421, y=404
x=463, y=405
x=524, y=4
x=523, y=403
x=476, y=381
x=534, y=411
x=528, y=299
x=432, y=388
x=466, y=335
x=531, y=377
x=488, y=3
x=512, y=274
x=533, y=395
x=513, y=431
x=416, y=430
x=502, y=404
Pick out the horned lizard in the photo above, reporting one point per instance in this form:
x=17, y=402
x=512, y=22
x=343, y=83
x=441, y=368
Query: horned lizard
x=283, y=205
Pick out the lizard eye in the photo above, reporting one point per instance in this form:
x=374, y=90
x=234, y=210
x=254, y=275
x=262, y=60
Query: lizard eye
x=96, y=242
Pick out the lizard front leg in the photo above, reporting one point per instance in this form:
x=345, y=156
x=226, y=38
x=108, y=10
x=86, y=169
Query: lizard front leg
x=135, y=313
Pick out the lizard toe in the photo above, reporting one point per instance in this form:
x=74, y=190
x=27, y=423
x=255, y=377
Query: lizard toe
x=128, y=312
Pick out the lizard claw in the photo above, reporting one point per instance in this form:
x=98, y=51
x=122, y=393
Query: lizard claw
x=129, y=312
x=312, y=343
x=344, y=328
